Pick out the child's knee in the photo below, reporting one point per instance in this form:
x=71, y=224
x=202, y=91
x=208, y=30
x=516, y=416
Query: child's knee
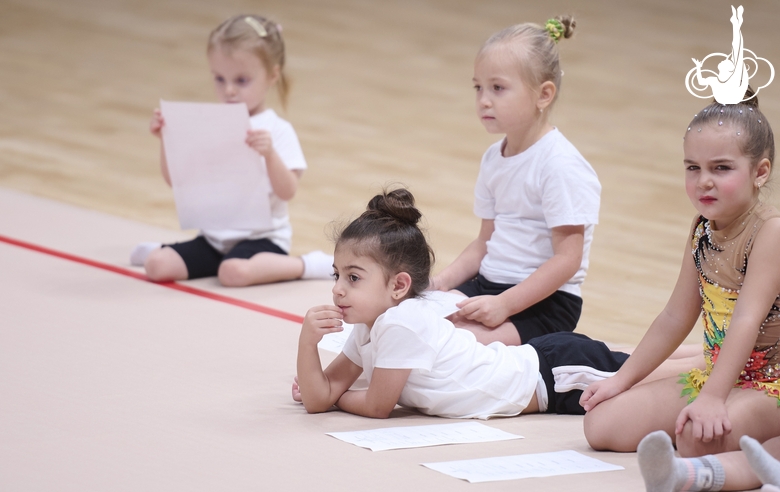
x=233, y=273
x=598, y=431
x=157, y=267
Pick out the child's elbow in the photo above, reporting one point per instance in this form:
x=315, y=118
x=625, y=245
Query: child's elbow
x=379, y=412
x=315, y=407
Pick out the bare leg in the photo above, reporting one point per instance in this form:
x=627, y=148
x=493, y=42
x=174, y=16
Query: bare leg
x=671, y=368
x=685, y=351
x=751, y=413
x=618, y=424
x=164, y=265
x=262, y=268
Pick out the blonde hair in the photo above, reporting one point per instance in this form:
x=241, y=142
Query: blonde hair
x=535, y=49
x=259, y=36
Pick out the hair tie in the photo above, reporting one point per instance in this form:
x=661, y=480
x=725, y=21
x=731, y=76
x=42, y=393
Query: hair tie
x=555, y=29
x=257, y=26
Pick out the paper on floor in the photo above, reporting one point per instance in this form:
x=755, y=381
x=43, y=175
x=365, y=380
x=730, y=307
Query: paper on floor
x=522, y=466
x=419, y=436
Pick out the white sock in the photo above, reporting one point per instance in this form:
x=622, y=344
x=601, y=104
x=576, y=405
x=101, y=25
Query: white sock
x=141, y=251
x=317, y=265
x=663, y=472
x=766, y=467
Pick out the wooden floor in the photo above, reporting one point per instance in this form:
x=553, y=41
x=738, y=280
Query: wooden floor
x=381, y=94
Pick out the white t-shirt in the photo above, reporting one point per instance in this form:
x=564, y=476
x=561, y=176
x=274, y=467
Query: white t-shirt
x=548, y=185
x=452, y=374
x=285, y=142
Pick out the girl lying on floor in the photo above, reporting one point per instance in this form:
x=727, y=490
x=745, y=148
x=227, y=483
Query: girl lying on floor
x=413, y=356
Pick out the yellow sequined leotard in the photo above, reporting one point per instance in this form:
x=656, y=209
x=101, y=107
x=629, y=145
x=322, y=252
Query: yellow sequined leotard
x=721, y=258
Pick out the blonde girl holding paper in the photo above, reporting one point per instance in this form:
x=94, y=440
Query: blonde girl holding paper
x=246, y=56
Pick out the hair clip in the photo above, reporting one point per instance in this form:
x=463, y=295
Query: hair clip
x=555, y=29
x=257, y=26
x=720, y=123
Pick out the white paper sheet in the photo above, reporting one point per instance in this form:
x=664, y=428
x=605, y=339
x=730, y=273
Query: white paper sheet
x=423, y=435
x=334, y=342
x=522, y=466
x=219, y=182
x=443, y=302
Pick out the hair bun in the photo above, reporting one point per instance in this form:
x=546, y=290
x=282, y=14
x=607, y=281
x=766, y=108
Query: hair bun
x=398, y=204
x=752, y=98
x=568, y=23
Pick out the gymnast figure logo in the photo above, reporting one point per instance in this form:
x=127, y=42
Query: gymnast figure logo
x=734, y=71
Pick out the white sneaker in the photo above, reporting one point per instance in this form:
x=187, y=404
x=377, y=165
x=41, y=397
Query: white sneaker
x=141, y=251
x=317, y=264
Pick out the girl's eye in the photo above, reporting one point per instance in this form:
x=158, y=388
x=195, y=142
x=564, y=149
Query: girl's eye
x=219, y=79
x=722, y=168
x=335, y=275
x=477, y=87
x=692, y=168
x=353, y=278
x=241, y=81
x=497, y=88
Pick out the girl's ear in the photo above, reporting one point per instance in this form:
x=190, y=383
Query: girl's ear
x=763, y=169
x=400, y=285
x=275, y=74
x=546, y=95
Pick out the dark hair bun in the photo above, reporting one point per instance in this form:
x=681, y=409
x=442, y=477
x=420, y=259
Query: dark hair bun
x=753, y=101
x=568, y=23
x=398, y=204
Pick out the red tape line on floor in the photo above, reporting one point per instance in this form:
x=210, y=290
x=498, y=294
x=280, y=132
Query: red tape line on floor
x=140, y=276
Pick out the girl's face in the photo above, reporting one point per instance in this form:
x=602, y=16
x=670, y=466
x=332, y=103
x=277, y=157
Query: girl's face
x=362, y=290
x=505, y=103
x=241, y=77
x=719, y=179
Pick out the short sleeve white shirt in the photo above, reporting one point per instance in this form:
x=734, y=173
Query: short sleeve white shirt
x=526, y=195
x=286, y=144
x=452, y=375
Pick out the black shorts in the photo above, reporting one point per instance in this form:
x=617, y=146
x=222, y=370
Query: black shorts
x=558, y=313
x=203, y=260
x=568, y=363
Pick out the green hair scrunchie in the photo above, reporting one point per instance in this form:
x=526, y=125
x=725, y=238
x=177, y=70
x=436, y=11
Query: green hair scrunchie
x=555, y=29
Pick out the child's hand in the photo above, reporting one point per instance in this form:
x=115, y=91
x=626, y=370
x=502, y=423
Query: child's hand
x=601, y=391
x=708, y=416
x=155, y=126
x=296, y=391
x=261, y=141
x=318, y=322
x=488, y=310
